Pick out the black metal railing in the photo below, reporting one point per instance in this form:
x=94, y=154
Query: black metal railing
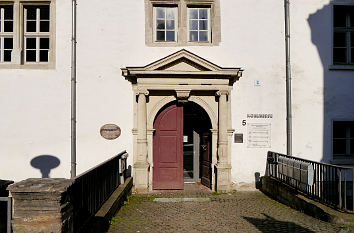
x=92, y=188
x=326, y=183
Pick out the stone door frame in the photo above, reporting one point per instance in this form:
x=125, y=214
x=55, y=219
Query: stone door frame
x=182, y=76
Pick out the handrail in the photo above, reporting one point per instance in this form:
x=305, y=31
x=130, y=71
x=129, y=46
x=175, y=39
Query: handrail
x=92, y=188
x=327, y=183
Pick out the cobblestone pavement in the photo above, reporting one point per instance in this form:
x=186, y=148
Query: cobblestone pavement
x=250, y=211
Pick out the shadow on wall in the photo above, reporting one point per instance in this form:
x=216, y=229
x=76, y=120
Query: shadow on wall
x=271, y=225
x=338, y=97
x=45, y=163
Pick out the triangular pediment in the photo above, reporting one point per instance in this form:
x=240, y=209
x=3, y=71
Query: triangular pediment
x=182, y=64
x=182, y=60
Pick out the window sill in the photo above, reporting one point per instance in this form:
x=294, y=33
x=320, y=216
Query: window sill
x=32, y=66
x=341, y=67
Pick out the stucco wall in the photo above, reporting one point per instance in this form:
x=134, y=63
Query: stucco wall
x=35, y=104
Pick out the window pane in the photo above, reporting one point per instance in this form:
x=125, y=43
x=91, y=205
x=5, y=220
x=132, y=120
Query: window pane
x=193, y=25
x=8, y=44
x=170, y=13
x=170, y=24
x=352, y=56
x=170, y=36
x=44, y=26
x=352, y=39
x=44, y=12
x=339, y=129
x=8, y=26
x=31, y=12
x=203, y=13
x=352, y=146
x=203, y=36
x=8, y=14
x=339, y=55
x=193, y=13
x=44, y=43
x=31, y=43
x=203, y=25
x=160, y=24
x=31, y=26
x=339, y=146
x=43, y=55
x=160, y=13
x=339, y=39
x=30, y=55
x=351, y=15
x=160, y=35
x=339, y=18
x=350, y=125
x=7, y=55
x=193, y=36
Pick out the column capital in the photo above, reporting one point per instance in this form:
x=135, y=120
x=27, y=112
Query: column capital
x=142, y=91
x=222, y=92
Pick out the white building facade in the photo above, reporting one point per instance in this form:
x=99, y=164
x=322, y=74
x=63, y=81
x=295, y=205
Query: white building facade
x=221, y=61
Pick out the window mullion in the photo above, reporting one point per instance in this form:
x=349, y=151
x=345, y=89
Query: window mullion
x=1, y=49
x=37, y=48
x=165, y=19
x=37, y=20
x=2, y=19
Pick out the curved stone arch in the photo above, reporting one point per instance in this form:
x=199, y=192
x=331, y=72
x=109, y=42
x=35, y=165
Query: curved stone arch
x=207, y=108
x=156, y=109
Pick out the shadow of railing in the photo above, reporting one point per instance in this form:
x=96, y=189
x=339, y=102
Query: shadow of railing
x=271, y=225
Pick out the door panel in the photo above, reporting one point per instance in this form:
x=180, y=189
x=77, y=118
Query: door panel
x=168, y=149
x=205, y=151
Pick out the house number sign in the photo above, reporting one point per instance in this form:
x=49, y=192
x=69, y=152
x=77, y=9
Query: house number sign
x=110, y=131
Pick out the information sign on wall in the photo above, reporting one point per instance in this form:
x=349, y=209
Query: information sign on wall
x=259, y=135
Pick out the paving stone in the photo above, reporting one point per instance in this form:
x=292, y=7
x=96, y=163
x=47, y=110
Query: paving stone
x=233, y=212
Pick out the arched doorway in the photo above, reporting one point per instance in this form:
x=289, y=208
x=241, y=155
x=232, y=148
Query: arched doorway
x=181, y=146
x=183, y=77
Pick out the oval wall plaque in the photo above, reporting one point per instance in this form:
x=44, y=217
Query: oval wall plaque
x=110, y=131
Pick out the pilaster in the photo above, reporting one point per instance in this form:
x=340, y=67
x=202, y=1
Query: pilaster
x=141, y=165
x=223, y=166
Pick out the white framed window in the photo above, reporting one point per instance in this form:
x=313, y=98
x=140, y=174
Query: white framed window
x=199, y=24
x=6, y=33
x=172, y=23
x=27, y=34
x=36, y=33
x=165, y=23
x=343, y=140
x=343, y=35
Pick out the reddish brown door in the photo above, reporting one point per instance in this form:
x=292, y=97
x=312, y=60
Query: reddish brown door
x=205, y=151
x=168, y=149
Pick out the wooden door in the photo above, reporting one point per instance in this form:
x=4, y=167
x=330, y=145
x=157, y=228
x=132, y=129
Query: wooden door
x=205, y=156
x=168, y=149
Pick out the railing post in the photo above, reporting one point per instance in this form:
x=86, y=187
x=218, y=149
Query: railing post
x=345, y=188
x=121, y=177
x=353, y=189
x=340, y=188
x=9, y=215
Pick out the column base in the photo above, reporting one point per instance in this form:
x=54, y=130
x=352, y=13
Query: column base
x=223, y=177
x=141, y=177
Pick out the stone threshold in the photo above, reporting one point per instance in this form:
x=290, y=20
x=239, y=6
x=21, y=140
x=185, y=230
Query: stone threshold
x=183, y=199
